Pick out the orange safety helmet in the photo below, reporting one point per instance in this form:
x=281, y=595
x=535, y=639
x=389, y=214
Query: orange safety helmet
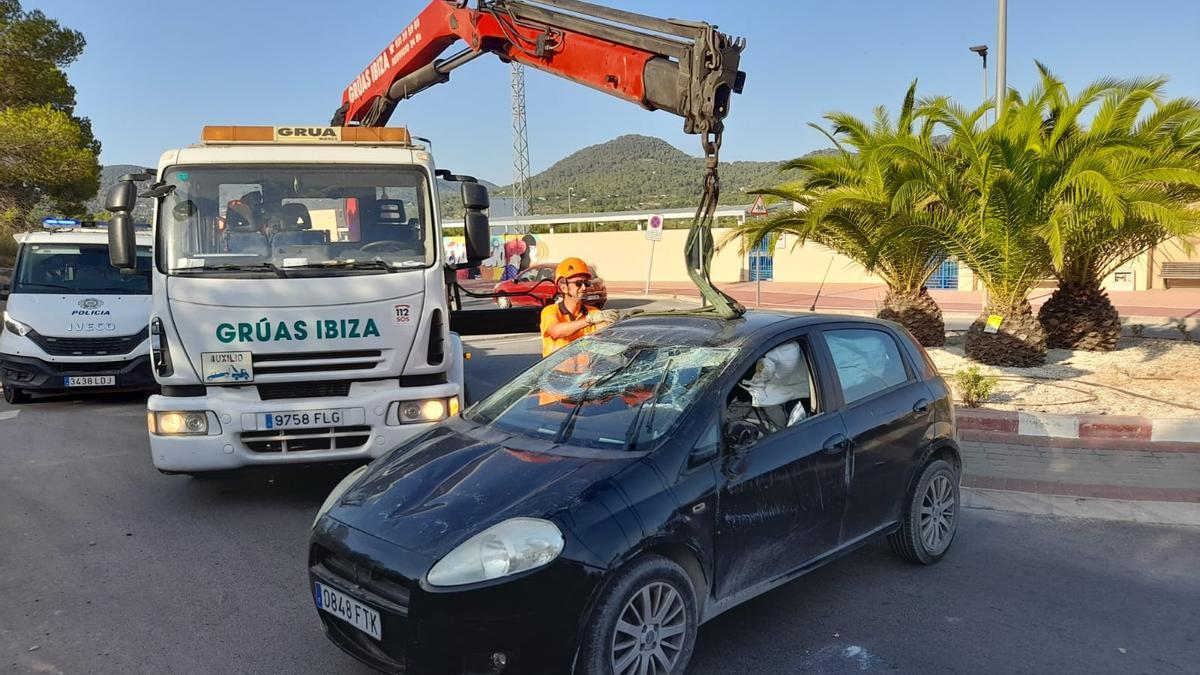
x=571, y=267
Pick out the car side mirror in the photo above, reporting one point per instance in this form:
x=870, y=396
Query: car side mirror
x=478, y=235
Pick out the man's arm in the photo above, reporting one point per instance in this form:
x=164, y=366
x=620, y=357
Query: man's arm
x=566, y=329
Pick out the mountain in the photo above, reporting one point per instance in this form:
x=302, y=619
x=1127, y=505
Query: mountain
x=638, y=172
x=109, y=175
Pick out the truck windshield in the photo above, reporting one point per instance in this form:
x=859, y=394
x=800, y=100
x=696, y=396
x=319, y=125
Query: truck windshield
x=302, y=220
x=80, y=269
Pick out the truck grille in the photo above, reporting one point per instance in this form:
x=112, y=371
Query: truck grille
x=316, y=362
x=278, y=390
x=101, y=346
x=307, y=440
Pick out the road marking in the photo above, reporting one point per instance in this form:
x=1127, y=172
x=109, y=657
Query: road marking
x=9, y=414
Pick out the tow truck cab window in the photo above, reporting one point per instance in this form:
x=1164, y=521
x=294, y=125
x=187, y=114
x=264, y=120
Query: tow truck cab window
x=68, y=268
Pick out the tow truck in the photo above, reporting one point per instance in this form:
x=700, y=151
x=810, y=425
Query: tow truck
x=309, y=261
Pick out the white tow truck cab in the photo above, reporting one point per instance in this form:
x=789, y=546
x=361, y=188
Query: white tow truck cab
x=71, y=320
x=300, y=310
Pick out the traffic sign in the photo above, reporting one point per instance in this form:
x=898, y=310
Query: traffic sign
x=654, y=227
x=759, y=208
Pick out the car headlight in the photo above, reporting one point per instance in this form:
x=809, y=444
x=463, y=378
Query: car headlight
x=515, y=545
x=182, y=423
x=338, y=491
x=14, y=326
x=423, y=411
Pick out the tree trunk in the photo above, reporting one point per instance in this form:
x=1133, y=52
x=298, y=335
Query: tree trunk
x=1080, y=316
x=1019, y=342
x=917, y=312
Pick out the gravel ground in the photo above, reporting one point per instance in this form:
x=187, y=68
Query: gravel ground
x=1144, y=376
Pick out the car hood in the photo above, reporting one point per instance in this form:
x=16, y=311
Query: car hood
x=440, y=489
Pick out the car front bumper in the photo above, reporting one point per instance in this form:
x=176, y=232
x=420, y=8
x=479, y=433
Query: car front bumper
x=33, y=374
x=532, y=620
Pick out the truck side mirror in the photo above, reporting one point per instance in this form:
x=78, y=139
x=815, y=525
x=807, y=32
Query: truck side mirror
x=121, y=197
x=478, y=235
x=475, y=197
x=122, y=247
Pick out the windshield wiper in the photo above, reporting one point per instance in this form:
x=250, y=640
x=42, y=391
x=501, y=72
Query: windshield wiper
x=568, y=425
x=635, y=430
x=237, y=267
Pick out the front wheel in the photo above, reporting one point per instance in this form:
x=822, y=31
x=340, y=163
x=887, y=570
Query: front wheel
x=504, y=302
x=644, y=623
x=15, y=396
x=930, y=516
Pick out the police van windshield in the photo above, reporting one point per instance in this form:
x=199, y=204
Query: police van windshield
x=54, y=268
x=302, y=221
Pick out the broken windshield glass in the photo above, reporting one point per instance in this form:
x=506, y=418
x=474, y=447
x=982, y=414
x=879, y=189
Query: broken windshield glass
x=600, y=393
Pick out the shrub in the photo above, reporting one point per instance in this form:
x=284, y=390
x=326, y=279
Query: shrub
x=974, y=388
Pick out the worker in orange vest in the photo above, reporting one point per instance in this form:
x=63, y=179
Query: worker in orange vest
x=569, y=319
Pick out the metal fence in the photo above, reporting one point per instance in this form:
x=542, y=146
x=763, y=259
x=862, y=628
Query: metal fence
x=762, y=262
x=945, y=276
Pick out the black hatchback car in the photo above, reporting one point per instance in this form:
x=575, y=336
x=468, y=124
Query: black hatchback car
x=593, y=512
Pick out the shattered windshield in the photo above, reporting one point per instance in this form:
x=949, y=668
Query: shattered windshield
x=304, y=220
x=601, y=393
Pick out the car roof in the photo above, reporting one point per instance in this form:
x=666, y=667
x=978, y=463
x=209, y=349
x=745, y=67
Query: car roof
x=703, y=329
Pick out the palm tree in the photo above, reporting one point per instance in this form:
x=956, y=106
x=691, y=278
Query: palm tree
x=1149, y=179
x=847, y=199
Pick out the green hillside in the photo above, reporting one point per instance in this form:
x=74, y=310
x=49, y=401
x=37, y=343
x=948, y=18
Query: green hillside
x=640, y=172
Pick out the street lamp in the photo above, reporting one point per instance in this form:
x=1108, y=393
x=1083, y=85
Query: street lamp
x=570, y=193
x=982, y=51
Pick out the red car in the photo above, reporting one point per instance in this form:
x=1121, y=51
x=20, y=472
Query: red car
x=538, y=281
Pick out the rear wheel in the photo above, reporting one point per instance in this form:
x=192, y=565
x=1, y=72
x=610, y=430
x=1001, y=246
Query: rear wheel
x=15, y=396
x=644, y=623
x=930, y=516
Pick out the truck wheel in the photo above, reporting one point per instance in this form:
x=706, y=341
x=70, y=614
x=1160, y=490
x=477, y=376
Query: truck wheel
x=644, y=622
x=15, y=396
x=930, y=516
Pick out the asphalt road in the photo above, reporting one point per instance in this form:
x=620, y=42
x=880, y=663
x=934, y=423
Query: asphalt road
x=106, y=566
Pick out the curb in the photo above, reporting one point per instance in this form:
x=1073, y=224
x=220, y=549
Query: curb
x=1165, y=513
x=1117, y=432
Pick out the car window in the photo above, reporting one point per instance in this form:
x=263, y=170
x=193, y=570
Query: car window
x=527, y=275
x=546, y=273
x=776, y=392
x=867, y=361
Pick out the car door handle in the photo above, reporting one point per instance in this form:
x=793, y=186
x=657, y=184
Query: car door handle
x=921, y=406
x=836, y=444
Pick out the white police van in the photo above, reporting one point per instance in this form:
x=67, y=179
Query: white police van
x=72, y=320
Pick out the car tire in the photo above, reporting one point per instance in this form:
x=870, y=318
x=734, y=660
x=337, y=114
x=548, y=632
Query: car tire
x=930, y=517
x=504, y=303
x=15, y=396
x=669, y=592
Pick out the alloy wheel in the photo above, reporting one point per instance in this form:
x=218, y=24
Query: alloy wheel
x=651, y=632
x=938, y=512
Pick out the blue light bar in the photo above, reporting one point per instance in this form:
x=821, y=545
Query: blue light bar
x=60, y=222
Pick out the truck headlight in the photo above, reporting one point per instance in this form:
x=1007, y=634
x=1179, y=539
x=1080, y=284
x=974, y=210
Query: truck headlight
x=338, y=491
x=422, y=411
x=16, y=327
x=513, y=546
x=183, y=423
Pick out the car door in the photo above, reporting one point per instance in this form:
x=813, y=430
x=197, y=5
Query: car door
x=543, y=287
x=885, y=409
x=780, y=500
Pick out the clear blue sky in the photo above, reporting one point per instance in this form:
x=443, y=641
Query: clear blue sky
x=154, y=73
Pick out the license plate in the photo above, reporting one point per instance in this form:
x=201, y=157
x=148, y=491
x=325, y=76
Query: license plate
x=593, y=297
x=348, y=609
x=298, y=419
x=90, y=381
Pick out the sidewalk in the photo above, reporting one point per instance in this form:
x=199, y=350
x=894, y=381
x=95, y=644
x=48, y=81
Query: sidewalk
x=1171, y=305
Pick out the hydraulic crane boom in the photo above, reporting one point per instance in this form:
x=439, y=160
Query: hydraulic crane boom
x=687, y=68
